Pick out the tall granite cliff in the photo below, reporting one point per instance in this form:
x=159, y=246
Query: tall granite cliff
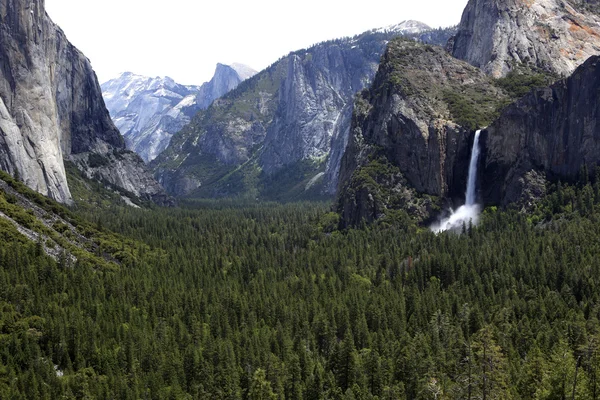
x=553, y=35
x=552, y=132
x=412, y=132
x=282, y=132
x=51, y=110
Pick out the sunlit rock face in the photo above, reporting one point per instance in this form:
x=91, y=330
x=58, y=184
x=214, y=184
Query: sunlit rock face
x=553, y=35
x=51, y=109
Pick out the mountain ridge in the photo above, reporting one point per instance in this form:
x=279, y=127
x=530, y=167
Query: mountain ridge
x=278, y=128
x=149, y=111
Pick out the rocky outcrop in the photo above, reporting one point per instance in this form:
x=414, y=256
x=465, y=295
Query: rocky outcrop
x=410, y=137
x=51, y=107
x=284, y=129
x=554, y=131
x=149, y=111
x=553, y=35
x=225, y=79
x=124, y=171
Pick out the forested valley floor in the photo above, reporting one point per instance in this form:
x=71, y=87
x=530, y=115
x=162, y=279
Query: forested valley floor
x=248, y=301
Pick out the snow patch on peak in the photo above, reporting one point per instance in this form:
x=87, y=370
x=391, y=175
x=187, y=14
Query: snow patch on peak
x=188, y=101
x=408, y=27
x=163, y=92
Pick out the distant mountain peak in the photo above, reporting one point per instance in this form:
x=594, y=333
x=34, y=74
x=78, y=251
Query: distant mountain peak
x=148, y=111
x=243, y=71
x=408, y=27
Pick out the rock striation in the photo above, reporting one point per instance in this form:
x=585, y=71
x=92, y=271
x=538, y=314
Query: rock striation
x=51, y=109
x=553, y=35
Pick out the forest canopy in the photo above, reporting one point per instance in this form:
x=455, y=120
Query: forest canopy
x=270, y=301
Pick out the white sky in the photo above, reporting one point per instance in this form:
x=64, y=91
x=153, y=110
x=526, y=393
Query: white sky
x=184, y=39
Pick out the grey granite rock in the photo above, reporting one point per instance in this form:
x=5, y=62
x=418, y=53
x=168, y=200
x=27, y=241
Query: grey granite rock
x=405, y=142
x=554, y=35
x=51, y=107
x=554, y=131
x=286, y=126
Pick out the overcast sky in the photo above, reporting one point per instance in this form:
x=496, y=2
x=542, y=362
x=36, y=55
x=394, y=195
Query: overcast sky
x=184, y=39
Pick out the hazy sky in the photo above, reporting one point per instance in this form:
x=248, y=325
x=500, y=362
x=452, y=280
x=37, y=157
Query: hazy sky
x=184, y=39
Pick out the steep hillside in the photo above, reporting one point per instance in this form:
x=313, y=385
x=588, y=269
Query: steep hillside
x=282, y=133
x=411, y=133
x=149, y=111
x=28, y=218
x=553, y=35
x=51, y=110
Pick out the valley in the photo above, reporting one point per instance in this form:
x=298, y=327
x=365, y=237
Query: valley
x=229, y=300
x=404, y=213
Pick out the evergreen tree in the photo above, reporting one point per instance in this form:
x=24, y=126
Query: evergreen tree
x=260, y=387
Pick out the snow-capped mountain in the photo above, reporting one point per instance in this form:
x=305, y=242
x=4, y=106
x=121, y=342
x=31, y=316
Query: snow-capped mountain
x=149, y=111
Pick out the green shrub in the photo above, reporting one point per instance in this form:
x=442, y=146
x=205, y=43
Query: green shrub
x=464, y=111
x=518, y=84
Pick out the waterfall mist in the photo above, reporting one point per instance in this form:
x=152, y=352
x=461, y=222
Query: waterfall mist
x=469, y=212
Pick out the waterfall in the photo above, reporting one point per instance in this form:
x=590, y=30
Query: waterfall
x=470, y=197
x=469, y=212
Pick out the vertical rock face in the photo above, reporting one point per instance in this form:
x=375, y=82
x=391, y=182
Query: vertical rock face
x=554, y=131
x=313, y=104
x=149, y=111
x=285, y=129
x=554, y=35
x=404, y=140
x=51, y=107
